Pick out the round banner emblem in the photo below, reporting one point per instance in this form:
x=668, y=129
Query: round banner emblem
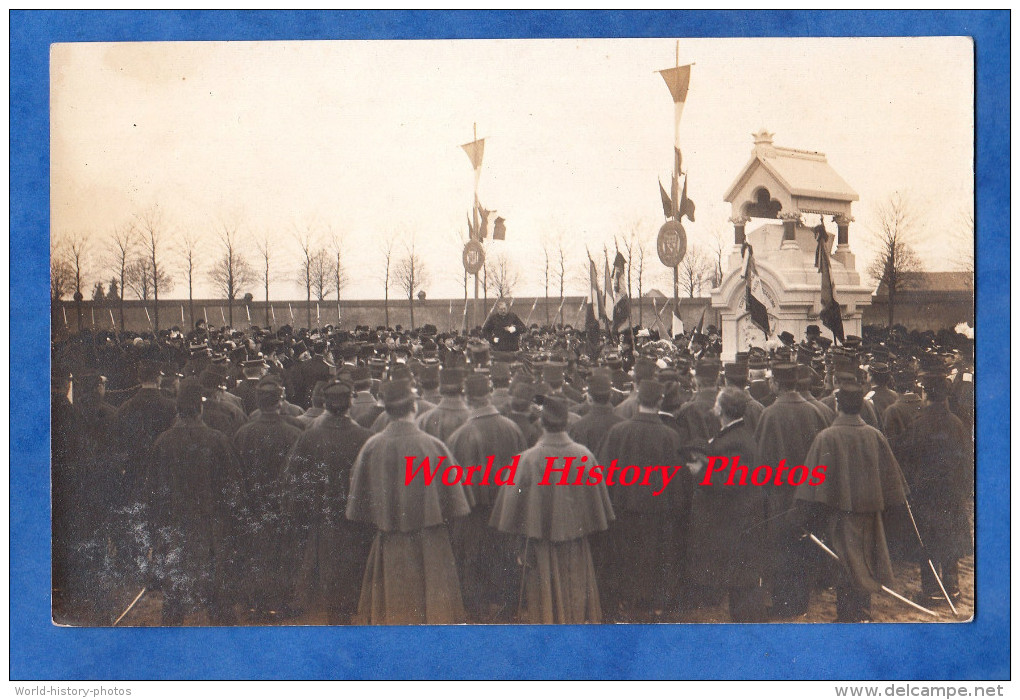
x=474, y=257
x=671, y=243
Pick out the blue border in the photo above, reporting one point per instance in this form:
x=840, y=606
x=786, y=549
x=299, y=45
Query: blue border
x=38, y=650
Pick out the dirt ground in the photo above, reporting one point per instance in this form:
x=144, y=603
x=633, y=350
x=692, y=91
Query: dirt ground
x=884, y=608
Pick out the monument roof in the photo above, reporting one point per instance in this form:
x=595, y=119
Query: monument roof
x=802, y=173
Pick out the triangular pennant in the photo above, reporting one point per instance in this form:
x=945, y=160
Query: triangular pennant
x=667, y=204
x=474, y=151
x=677, y=79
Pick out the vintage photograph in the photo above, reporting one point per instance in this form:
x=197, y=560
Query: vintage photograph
x=538, y=331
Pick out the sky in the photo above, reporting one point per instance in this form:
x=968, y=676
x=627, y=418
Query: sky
x=362, y=140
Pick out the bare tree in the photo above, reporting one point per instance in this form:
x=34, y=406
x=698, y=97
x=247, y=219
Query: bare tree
x=696, y=270
x=321, y=274
x=963, y=244
x=504, y=274
x=895, y=260
x=189, y=250
x=387, y=247
x=152, y=229
x=61, y=278
x=547, y=256
x=231, y=272
x=411, y=275
x=121, y=251
x=717, y=248
x=75, y=250
x=265, y=249
x=642, y=253
x=306, y=240
x=336, y=266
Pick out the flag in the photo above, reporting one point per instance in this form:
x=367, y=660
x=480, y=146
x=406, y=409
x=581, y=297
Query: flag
x=608, y=297
x=686, y=207
x=677, y=79
x=667, y=203
x=831, y=315
x=752, y=284
x=676, y=323
x=499, y=229
x=699, y=329
x=483, y=228
x=474, y=151
x=621, y=309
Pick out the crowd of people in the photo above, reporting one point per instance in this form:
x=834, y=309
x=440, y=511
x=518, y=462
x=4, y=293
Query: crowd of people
x=261, y=475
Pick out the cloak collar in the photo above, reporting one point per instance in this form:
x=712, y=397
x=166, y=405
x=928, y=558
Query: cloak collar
x=853, y=421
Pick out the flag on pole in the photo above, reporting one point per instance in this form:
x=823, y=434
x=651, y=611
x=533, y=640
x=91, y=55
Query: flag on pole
x=667, y=203
x=595, y=307
x=499, y=229
x=609, y=297
x=698, y=330
x=621, y=308
x=752, y=286
x=677, y=323
x=686, y=207
x=475, y=150
x=831, y=315
x=678, y=79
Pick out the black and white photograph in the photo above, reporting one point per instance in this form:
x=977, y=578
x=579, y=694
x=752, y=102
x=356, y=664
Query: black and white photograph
x=515, y=331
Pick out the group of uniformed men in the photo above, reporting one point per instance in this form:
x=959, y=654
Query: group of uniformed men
x=261, y=476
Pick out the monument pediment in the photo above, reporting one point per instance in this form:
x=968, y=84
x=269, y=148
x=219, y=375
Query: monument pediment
x=801, y=181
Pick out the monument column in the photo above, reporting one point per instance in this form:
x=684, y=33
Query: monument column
x=739, y=222
x=843, y=253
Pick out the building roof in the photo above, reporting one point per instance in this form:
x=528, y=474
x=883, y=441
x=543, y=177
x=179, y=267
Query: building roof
x=802, y=173
x=933, y=282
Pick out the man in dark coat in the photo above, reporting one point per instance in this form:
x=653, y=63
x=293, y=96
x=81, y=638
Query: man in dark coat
x=522, y=391
x=881, y=396
x=900, y=415
x=646, y=545
x=936, y=454
x=591, y=429
x=862, y=479
x=696, y=419
x=728, y=537
x=304, y=375
x=481, y=552
x=503, y=328
x=246, y=389
x=784, y=435
x=329, y=551
x=263, y=445
x=554, y=522
x=411, y=573
x=364, y=407
x=217, y=413
x=451, y=412
x=193, y=487
x=735, y=374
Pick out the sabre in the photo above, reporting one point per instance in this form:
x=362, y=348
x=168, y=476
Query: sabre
x=885, y=589
x=64, y=311
x=147, y=317
x=246, y=310
x=93, y=310
x=112, y=322
x=128, y=608
x=930, y=562
x=182, y=313
x=222, y=317
x=272, y=310
x=291, y=311
x=524, y=570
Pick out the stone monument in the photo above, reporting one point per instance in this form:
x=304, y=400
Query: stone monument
x=776, y=188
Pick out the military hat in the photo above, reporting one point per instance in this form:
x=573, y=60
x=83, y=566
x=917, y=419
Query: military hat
x=600, y=385
x=620, y=379
x=210, y=379
x=552, y=372
x=270, y=384
x=451, y=377
x=707, y=368
x=805, y=377
x=785, y=372
x=428, y=377
x=396, y=393
x=477, y=386
x=337, y=387
x=644, y=368
x=735, y=371
x=500, y=370
x=849, y=385
x=879, y=369
x=672, y=399
x=360, y=373
x=522, y=389
x=555, y=411
x=649, y=392
x=401, y=372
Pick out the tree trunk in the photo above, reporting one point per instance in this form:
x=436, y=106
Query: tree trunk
x=410, y=300
x=892, y=303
